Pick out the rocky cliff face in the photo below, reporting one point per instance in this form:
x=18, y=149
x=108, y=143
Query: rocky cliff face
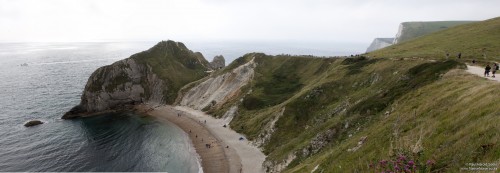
x=218, y=62
x=153, y=76
x=379, y=43
x=217, y=90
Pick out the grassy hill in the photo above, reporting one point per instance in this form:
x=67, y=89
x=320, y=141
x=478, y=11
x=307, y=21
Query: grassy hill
x=152, y=76
x=413, y=107
x=412, y=30
x=474, y=41
x=174, y=63
x=315, y=110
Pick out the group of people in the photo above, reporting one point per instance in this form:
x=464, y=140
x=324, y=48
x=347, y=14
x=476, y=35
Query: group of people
x=493, y=70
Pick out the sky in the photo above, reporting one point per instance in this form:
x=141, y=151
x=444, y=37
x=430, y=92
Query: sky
x=354, y=21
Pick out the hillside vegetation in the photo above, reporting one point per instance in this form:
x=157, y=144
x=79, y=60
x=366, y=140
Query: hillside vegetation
x=351, y=115
x=475, y=41
x=174, y=63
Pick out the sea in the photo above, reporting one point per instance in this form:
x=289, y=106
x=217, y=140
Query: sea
x=42, y=81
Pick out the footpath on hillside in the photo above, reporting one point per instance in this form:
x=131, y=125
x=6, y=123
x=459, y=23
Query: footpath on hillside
x=479, y=71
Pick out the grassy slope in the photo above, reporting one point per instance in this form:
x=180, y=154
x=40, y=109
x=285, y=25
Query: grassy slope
x=175, y=64
x=472, y=40
x=453, y=113
x=412, y=30
x=456, y=117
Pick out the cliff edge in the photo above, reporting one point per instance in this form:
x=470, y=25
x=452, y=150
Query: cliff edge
x=153, y=76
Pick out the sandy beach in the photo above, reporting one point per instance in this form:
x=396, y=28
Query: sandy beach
x=219, y=148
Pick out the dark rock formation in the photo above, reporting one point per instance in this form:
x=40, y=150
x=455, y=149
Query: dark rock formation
x=33, y=123
x=218, y=62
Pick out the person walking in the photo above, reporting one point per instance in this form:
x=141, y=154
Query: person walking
x=494, y=70
x=487, y=71
x=459, y=55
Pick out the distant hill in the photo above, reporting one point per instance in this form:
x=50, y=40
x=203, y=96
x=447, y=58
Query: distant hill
x=473, y=40
x=411, y=30
x=379, y=43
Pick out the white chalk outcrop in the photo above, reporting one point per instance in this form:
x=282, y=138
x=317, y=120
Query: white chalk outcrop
x=219, y=89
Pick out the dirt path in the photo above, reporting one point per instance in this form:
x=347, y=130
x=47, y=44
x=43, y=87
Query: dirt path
x=479, y=71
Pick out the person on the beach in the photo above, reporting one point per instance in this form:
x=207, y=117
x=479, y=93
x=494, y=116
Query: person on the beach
x=487, y=71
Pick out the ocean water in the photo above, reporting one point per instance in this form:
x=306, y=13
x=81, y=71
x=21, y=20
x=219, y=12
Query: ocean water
x=48, y=87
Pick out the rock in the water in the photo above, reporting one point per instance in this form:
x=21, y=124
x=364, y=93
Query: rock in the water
x=218, y=62
x=33, y=123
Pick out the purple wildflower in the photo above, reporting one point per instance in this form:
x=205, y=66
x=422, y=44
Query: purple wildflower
x=411, y=163
x=430, y=162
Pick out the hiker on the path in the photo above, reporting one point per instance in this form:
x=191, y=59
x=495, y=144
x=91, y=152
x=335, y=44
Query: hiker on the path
x=473, y=61
x=494, y=70
x=487, y=71
x=459, y=55
x=447, y=55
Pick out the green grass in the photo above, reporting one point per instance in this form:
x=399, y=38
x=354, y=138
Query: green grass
x=456, y=117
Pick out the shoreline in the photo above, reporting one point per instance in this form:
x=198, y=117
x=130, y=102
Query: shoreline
x=219, y=148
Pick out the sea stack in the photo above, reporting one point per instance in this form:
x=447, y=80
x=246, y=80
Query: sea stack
x=218, y=62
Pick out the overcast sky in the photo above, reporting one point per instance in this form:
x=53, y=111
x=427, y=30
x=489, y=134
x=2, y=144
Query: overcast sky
x=230, y=20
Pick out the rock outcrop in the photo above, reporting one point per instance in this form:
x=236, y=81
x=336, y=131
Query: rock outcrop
x=33, y=123
x=218, y=62
x=153, y=76
x=379, y=43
